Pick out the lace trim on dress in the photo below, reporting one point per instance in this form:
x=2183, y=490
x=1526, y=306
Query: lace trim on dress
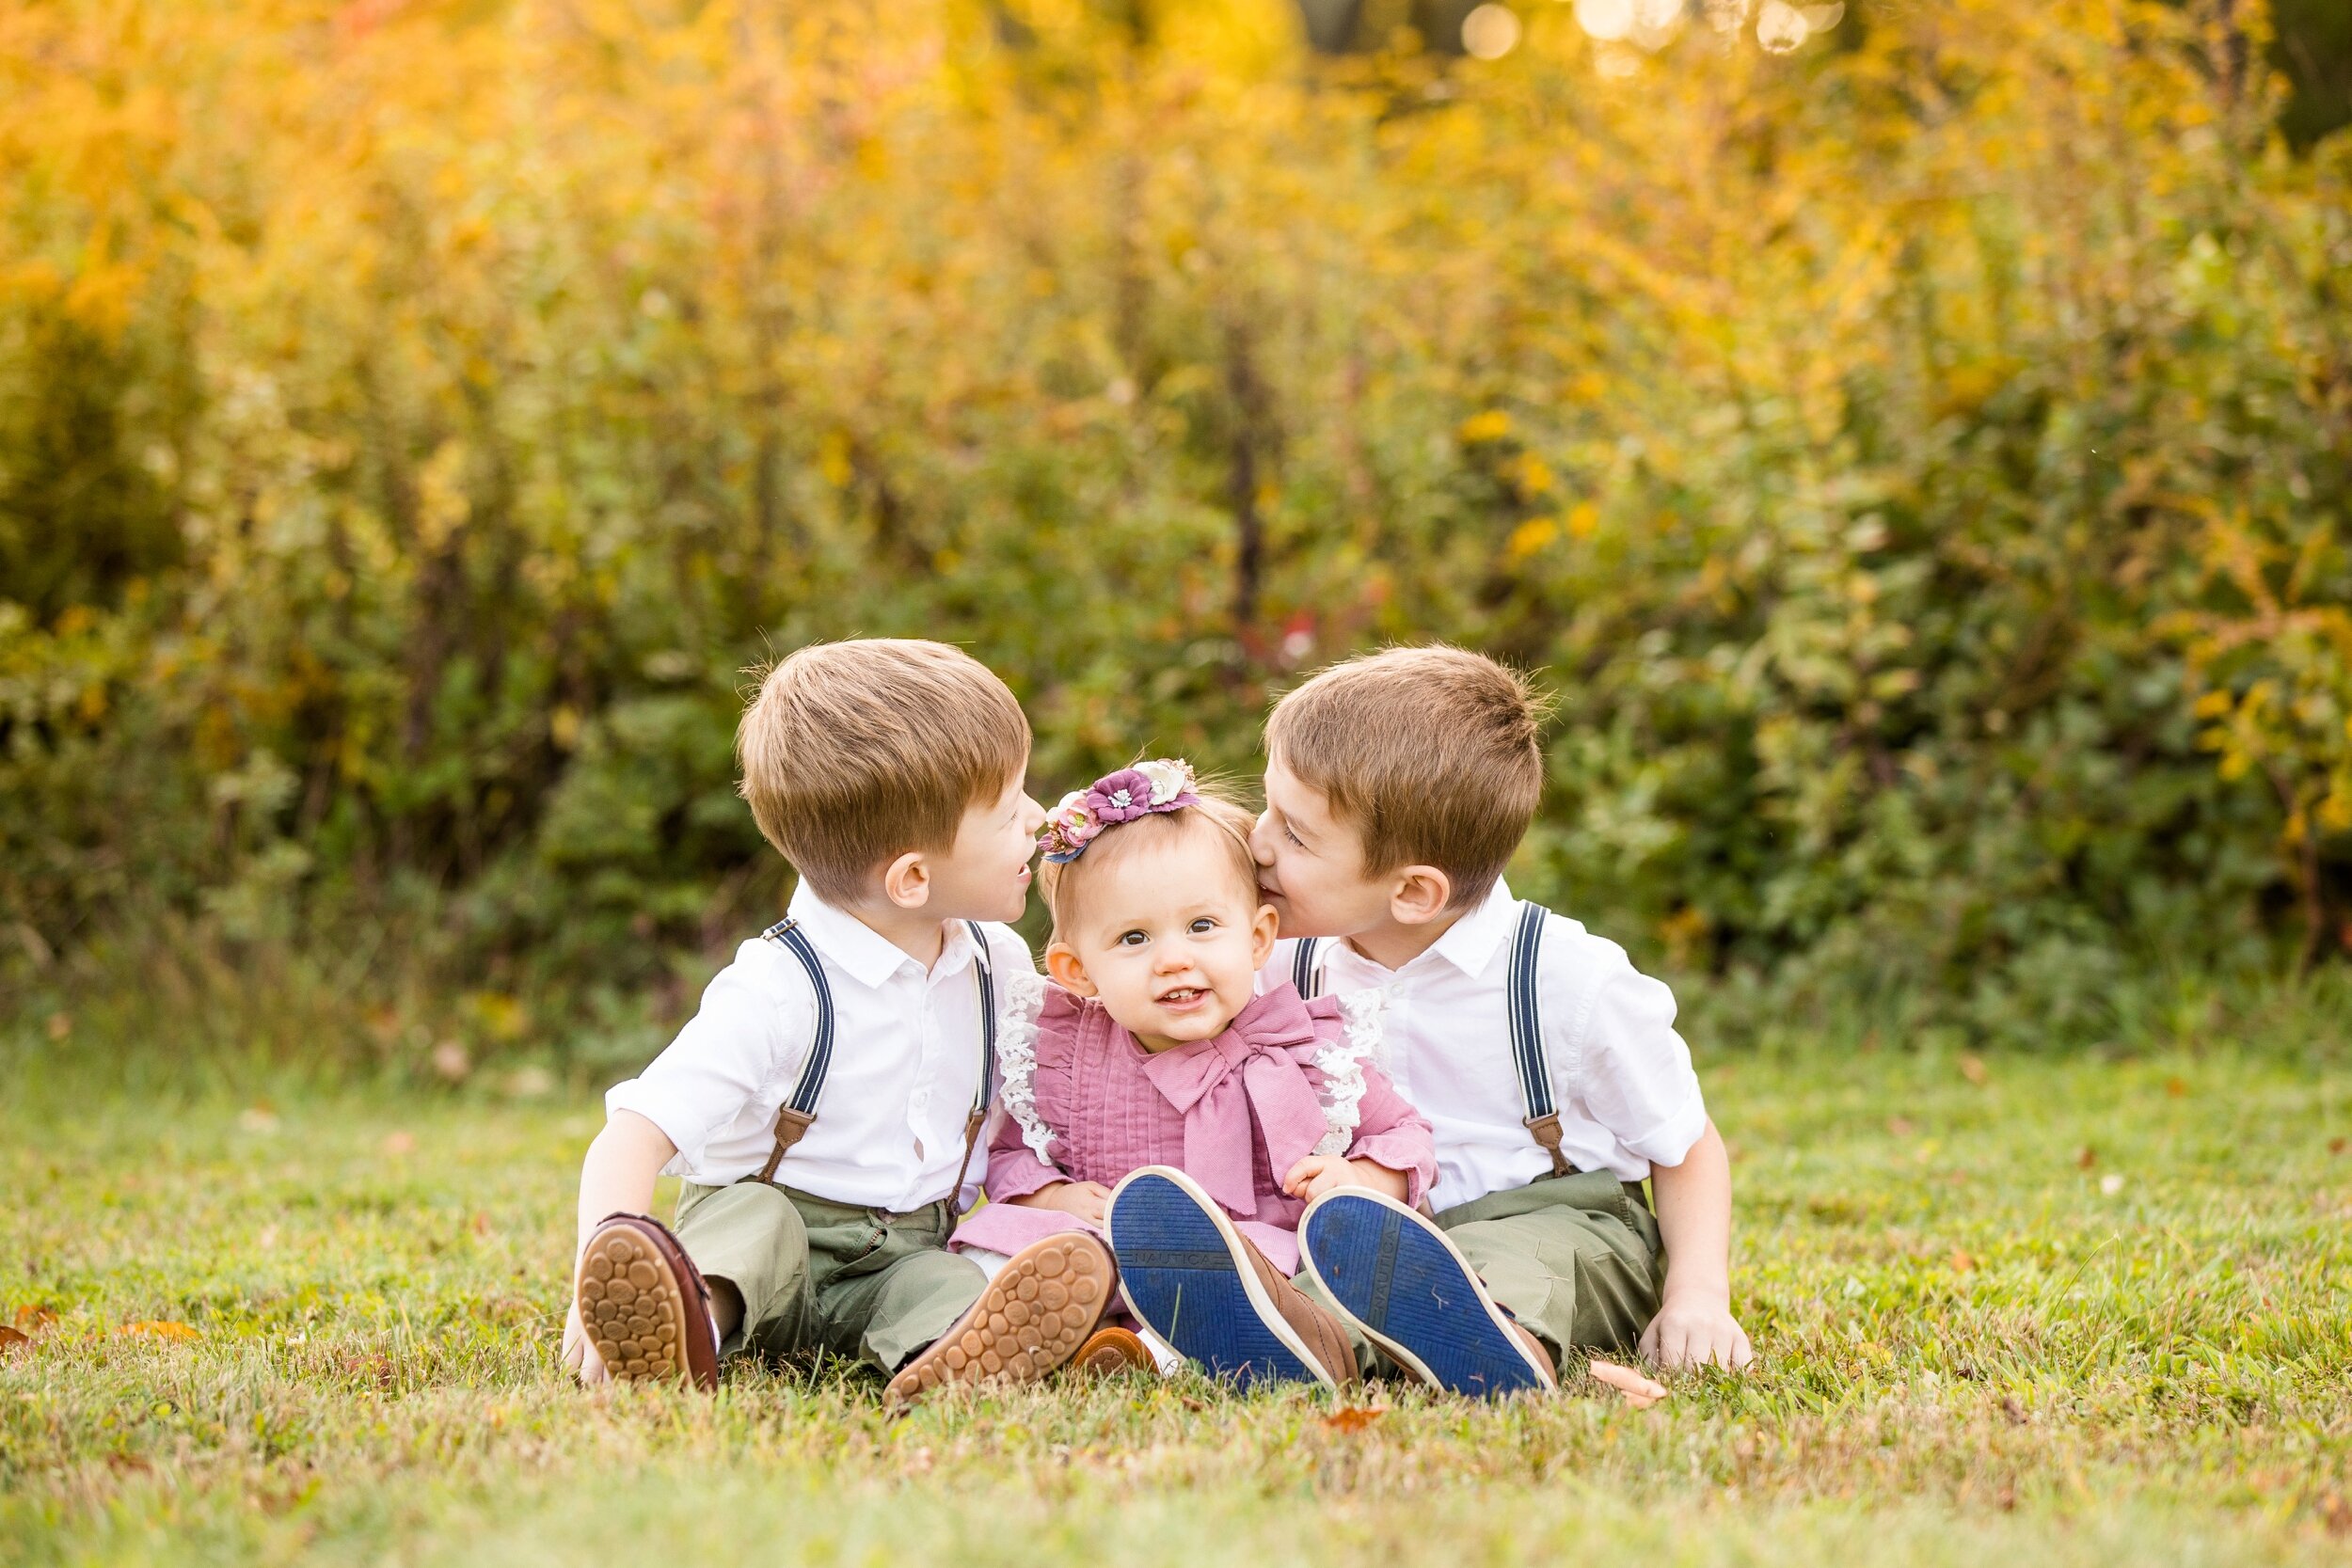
x=1342, y=1064
x=1016, y=1056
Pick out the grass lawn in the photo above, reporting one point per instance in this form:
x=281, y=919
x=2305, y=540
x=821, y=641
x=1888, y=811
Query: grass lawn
x=2047, y=1311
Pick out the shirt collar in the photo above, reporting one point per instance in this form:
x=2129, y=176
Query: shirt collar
x=1468, y=945
x=864, y=954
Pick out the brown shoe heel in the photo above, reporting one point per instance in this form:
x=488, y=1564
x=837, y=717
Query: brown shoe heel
x=1029, y=1320
x=1111, y=1351
x=644, y=1305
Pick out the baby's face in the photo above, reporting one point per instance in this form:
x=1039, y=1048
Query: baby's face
x=1169, y=940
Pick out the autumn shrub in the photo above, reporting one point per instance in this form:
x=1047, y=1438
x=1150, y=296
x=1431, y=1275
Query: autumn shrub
x=1915, y=455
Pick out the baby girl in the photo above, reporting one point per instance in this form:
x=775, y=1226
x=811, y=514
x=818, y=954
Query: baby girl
x=1158, y=1103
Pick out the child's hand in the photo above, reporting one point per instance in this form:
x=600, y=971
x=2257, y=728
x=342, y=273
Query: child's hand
x=1694, y=1331
x=1084, y=1199
x=580, y=1351
x=1318, y=1174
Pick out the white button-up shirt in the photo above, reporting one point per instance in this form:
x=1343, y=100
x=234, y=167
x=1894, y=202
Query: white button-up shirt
x=906, y=1065
x=1621, y=1076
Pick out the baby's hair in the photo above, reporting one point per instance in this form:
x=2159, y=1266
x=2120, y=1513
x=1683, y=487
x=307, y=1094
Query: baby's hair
x=1218, y=814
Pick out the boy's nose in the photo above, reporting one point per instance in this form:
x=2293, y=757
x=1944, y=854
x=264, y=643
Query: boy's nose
x=1032, y=816
x=1261, y=839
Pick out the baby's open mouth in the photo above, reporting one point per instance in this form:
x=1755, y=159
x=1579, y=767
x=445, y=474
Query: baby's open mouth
x=1182, y=996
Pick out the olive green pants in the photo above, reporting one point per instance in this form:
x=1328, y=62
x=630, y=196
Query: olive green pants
x=863, y=1284
x=1576, y=1258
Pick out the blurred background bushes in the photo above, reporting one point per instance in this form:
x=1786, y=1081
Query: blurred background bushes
x=1911, y=441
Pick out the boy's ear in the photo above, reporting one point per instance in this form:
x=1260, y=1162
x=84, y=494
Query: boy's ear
x=1262, y=932
x=907, y=880
x=1419, y=895
x=1068, y=972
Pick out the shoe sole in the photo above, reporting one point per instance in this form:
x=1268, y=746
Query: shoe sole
x=1404, y=1283
x=1030, y=1319
x=633, y=1306
x=1184, y=1270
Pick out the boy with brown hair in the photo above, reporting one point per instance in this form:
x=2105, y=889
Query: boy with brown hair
x=823, y=1105
x=1397, y=786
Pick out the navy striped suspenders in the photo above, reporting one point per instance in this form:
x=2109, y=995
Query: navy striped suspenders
x=1527, y=1026
x=800, y=1107
x=987, y=1065
x=1303, y=973
x=1527, y=1037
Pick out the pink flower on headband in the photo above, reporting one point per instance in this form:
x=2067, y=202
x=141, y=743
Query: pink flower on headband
x=1163, y=784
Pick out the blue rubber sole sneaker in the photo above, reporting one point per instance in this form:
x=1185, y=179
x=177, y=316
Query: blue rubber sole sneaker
x=1201, y=1285
x=1400, y=1280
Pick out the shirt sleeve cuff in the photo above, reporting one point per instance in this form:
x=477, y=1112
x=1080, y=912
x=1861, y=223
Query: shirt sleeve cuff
x=1669, y=1142
x=1405, y=1150
x=677, y=1124
x=1013, y=1174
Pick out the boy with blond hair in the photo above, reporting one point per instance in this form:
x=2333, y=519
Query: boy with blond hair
x=823, y=1105
x=1397, y=786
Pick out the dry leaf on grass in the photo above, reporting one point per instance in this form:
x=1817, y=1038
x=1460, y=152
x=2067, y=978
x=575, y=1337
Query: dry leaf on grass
x=13, y=1338
x=31, y=1320
x=1962, y=1261
x=159, y=1329
x=1639, y=1391
x=1354, y=1417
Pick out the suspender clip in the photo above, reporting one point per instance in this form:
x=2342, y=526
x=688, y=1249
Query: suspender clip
x=1547, y=1131
x=790, y=1125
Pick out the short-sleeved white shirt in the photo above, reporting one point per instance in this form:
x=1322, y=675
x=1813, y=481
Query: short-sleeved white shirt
x=906, y=1065
x=1621, y=1075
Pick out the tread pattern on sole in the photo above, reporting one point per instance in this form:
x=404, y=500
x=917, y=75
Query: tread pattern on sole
x=632, y=1306
x=1185, y=1282
x=1029, y=1320
x=1407, y=1287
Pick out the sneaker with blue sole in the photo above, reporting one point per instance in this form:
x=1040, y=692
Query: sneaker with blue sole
x=1199, y=1284
x=1404, y=1283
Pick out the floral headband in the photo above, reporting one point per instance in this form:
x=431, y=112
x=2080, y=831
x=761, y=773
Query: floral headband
x=1161, y=786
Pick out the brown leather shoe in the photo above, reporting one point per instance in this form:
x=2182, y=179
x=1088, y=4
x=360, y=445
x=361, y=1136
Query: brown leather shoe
x=1535, y=1348
x=1318, y=1328
x=1113, y=1351
x=1030, y=1319
x=645, y=1305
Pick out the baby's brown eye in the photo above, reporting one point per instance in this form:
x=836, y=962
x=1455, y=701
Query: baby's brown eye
x=1203, y=923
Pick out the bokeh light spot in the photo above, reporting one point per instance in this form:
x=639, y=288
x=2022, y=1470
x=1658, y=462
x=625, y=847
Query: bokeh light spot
x=1492, y=31
x=1606, y=20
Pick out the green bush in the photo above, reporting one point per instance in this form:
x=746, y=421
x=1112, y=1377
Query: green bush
x=1917, y=461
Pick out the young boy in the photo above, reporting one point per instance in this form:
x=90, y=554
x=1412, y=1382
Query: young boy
x=823, y=1105
x=1397, y=786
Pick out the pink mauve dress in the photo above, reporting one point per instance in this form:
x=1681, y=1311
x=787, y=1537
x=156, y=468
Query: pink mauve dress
x=1085, y=1102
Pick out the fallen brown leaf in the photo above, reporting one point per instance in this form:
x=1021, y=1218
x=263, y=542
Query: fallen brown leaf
x=1962, y=1261
x=1972, y=1069
x=32, y=1319
x=12, y=1338
x=1639, y=1391
x=2016, y=1411
x=2086, y=1157
x=1354, y=1417
x=2337, y=1146
x=159, y=1329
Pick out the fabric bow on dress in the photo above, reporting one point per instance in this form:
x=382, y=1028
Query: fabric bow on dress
x=1247, y=1075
